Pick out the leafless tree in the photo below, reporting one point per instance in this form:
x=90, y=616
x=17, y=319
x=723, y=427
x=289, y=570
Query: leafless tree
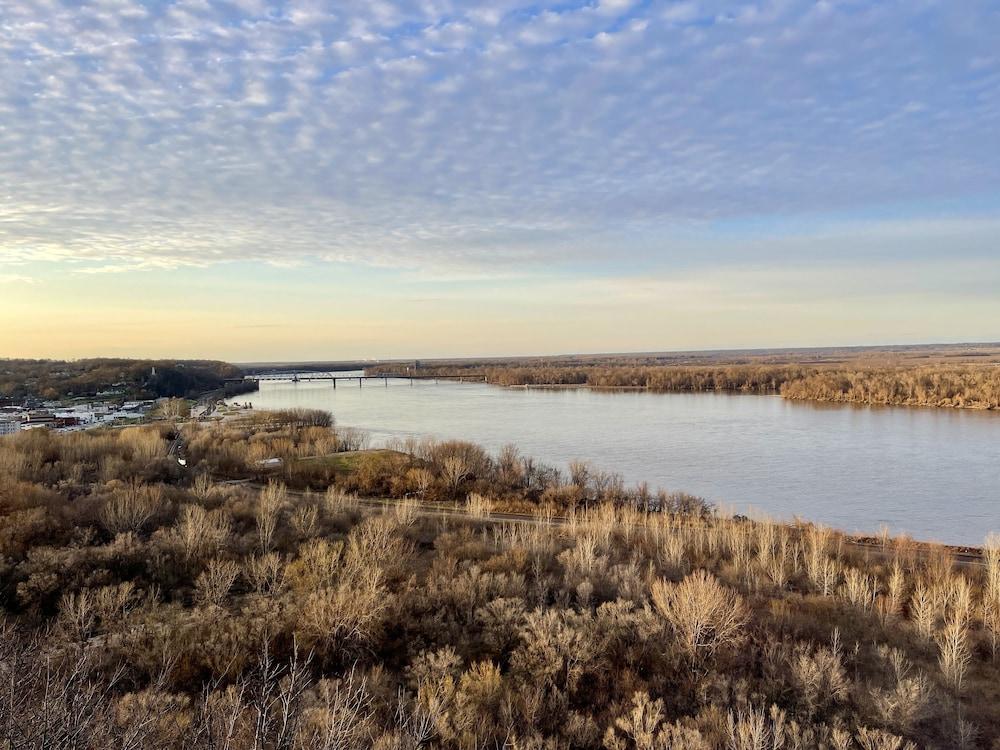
x=270, y=502
x=454, y=469
x=199, y=532
x=954, y=654
x=215, y=581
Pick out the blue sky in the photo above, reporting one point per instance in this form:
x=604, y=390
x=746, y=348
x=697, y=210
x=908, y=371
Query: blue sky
x=432, y=177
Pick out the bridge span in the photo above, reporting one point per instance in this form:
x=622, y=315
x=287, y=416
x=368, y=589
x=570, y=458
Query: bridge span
x=335, y=377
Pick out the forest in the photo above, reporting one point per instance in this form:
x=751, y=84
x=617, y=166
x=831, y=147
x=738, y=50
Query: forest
x=146, y=604
x=56, y=379
x=971, y=386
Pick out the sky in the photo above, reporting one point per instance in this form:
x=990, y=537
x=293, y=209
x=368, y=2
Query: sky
x=251, y=180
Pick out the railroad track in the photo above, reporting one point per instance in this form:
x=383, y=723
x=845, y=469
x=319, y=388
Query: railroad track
x=923, y=550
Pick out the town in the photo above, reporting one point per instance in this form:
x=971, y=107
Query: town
x=66, y=417
x=85, y=394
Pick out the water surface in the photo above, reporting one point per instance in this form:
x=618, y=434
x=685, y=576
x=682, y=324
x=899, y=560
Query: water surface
x=931, y=473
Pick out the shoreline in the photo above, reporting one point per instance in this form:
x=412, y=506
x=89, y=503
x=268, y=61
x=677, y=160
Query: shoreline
x=867, y=543
x=862, y=538
x=733, y=392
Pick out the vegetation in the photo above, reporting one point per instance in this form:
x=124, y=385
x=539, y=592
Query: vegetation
x=745, y=378
x=149, y=605
x=52, y=379
x=961, y=386
x=975, y=387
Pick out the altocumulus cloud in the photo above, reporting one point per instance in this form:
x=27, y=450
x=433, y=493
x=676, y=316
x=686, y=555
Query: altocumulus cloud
x=459, y=134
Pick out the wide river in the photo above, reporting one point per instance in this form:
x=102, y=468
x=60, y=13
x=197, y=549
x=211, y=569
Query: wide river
x=930, y=473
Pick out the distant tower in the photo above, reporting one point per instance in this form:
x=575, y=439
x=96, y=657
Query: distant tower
x=152, y=373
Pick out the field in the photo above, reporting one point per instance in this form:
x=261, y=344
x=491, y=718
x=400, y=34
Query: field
x=350, y=462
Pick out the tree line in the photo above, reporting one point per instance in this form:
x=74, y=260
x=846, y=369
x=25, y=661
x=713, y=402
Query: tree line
x=57, y=379
x=974, y=386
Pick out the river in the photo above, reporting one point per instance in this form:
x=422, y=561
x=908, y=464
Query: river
x=930, y=473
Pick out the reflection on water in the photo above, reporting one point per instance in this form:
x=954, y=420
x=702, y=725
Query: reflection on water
x=932, y=473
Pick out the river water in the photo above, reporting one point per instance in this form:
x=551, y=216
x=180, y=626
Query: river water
x=930, y=473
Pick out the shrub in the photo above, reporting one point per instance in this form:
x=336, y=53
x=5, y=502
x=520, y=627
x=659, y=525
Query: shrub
x=130, y=506
x=704, y=615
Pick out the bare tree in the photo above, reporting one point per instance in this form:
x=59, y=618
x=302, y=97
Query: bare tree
x=509, y=466
x=454, y=469
x=422, y=479
x=270, y=501
x=304, y=519
x=216, y=581
x=203, y=487
x=341, y=718
x=266, y=573
x=954, y=655
x=198, y=532
x=174, y=408
x=51, y=701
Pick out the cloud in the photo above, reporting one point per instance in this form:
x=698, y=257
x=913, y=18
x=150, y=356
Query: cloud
x=15, y=278
x=469, y=135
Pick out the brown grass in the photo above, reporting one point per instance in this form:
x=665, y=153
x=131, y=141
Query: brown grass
x=176, y=611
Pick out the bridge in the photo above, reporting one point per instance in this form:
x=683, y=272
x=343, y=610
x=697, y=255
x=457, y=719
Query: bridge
x=335, y=377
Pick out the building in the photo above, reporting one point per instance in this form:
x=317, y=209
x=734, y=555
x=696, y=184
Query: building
x=35, y=419
x=9, y=427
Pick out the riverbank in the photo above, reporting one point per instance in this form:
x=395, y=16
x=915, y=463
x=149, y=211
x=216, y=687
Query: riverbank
x=881, y=545
x=965, y=386
x=845, y=401
x=853, y=468
x=846, y=466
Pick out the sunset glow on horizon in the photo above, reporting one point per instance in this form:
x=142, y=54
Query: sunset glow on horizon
x=255, y=180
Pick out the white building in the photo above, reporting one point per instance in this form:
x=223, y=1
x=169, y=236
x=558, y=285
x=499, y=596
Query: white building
x=9, y=427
